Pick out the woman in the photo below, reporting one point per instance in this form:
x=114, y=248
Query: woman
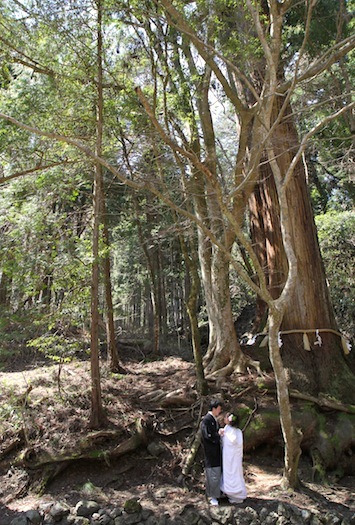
x=232, y=483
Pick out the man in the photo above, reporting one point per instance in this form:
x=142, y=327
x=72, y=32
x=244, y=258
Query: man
x=212, y=448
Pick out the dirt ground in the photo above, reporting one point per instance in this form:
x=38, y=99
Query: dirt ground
x=54, y=415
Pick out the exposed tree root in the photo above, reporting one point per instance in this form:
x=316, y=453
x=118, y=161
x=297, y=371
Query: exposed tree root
x=234, y=366
x=324, y=402
x=47, y=475
x=35, y=458
x=15, y=443
x=321, y=402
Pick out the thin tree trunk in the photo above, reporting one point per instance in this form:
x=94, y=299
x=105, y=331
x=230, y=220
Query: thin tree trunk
x=98, y=416
x=154, y=289
x=112, y=353
x=162, y=294
x=191, y=306
x=5, y=283
x=292, y=437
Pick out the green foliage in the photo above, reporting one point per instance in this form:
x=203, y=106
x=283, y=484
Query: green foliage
x=323, y=27
x=337, y=242
x=55, y=347
x=45, y=220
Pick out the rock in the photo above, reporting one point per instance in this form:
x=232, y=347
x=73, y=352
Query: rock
x=104, y=519
x=282, y=510
x=331, y=519
x=155, y=448
x=132, y=506
x=68, y=520
x=86, y=508
x=34, y=516
x=95, y=517
x=46, y=507
x=102, y=512
x=81, y=520
x=20, y=520
x=176, y=521
x=306, y=516
x=316, y=521
x=226, y=515
x=271, y=519
x=146, y=513
x=204, y=516
x=153, y=520
x=223, y=515
x=263, y=514
x=131, y=519
x=251, y=512
x=282, y=520
x=59, y=511
x=190, y=516
x=242, y=517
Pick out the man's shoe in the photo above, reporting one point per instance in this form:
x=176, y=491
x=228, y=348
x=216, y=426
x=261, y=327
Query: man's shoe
x=214, y=501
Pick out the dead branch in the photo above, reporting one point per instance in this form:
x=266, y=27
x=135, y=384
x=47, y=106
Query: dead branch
x=251, y=414
x=240, y=394
x=23, y=398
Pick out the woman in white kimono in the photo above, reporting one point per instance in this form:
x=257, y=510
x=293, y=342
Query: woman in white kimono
x=232, y=483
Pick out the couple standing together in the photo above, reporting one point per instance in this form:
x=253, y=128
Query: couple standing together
x=223, y=449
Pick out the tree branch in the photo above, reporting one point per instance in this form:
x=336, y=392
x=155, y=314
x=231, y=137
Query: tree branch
x=35, y=169
x=206, y=53
x=33, y=64
x=324, y=62
x=308, y=135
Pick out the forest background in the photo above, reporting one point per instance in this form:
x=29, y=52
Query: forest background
x=170, y=167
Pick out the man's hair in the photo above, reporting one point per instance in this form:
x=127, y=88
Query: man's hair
x=215, y=403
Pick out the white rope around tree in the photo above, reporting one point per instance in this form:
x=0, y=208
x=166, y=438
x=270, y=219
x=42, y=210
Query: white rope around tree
x=345, y=342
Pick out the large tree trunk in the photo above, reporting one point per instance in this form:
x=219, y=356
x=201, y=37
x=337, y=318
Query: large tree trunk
x=323, y=369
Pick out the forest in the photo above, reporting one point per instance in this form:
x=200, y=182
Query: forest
x=176, y=225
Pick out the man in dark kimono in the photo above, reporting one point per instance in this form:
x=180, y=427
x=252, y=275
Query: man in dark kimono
x=212, y=447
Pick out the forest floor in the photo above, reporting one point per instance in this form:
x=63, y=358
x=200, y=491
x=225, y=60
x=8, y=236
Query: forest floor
x=47, y=408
